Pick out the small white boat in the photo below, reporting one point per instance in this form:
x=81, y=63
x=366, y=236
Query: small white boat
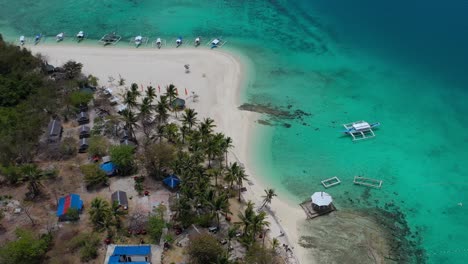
x=178, y=42
x=138, y=40
x=197, y=41
x=59, y=37
x=80, y=36
x=22, y=40
x=215, y=43
x=37, y=39
x=158, y=43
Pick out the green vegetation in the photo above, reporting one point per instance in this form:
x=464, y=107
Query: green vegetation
x=87, y=244
x=78, y=98
x=268, y=197
x=156, y=224
x=93, y=175
x=28, y=248
x=205, y=249
x=100, y=213
x=73, y=214
x=122, y=157
x=98, y=146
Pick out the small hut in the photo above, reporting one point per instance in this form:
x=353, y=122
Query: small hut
x=82, y=118
x=120, y=197
x=67, y=202
x=178, y=104
x=54, y=131
x=84, y=132
x=321, y=201
x=83, y=145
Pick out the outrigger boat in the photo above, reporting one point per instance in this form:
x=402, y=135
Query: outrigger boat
x=217, y=43
x=80, y=36
x=110, y=39
x=360, y=129
x=22, y=40
x=138, y=41
x=197, y=41
x=59, y=37
x=158, y=43
x=178, y=42
x=37, y=39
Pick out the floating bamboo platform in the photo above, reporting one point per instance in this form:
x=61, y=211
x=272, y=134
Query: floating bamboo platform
x=367, y=182
x=311, y=213
x=330, y=182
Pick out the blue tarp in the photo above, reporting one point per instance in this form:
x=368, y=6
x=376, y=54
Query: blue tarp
x=143, y=250
x=69, y=201
x=108, y=167
x=115, y=260
x=172, y=181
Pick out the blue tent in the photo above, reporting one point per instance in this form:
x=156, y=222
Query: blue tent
x=172, y=181
x=69, y=201
x=109, y=168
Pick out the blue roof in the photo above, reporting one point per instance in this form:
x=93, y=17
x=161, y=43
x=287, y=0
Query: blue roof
x=69, y=201
x=172, y=181
x=143, y=250
x=108, y=167
x=115, y=260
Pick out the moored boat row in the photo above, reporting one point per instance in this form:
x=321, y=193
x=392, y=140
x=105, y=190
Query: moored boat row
x=113, y=39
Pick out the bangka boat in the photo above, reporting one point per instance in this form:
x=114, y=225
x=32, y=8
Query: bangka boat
x=37, y=39
x=360, y=129
x=138, y=40
x=22, y=40
x=178, y=42
x=80, y=36
x=197, y=41
x=59, y=37
x=110, y=39
x=217, y=43
x=158, y=43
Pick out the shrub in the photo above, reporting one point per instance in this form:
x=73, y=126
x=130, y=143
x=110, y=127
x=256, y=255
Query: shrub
x=78, y=98
x=87, y=244
x=27, y=248
x=204, y=249
x=73, y=214
x=98, y=146
x=122, y=157
x=93, y=175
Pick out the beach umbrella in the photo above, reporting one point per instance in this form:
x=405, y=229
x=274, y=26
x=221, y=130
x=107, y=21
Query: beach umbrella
x=321, y=199
x=172, y=181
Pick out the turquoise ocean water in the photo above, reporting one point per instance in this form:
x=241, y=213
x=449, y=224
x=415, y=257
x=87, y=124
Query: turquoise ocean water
x=401, y=63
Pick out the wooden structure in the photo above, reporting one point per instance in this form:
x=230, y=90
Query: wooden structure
x=54, y=131
x=311, y=213
x=330, y=182
x=367, y=182
x=110, y=39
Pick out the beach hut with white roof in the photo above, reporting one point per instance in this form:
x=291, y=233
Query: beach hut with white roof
x=321, y=201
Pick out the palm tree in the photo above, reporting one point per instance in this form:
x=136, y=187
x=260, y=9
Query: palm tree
x=231, y=174
x=240, y=177
x=212, y=148
x=171, y=93
x=117, y=213
x=189, y=117
x=274, y=244
x=161, y=109
x=258, y=223
x=130, y=120
x=33, y=176
x=150, y=93
x=100, y=213
x=184, y=130
x=206, y=127
x=247, y=217
x=145, y=114
x=269, y=194
x=227, y=144
x=134, y=90
x=130, y=99
x=220, y=204
x=171, y=132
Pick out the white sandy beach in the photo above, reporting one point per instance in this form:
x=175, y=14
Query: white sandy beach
x=217, y=78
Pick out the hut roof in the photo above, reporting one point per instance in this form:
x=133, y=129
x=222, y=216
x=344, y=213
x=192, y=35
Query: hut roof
x=127, y=142
x=84, y=129
x=54, y=128
x=69, y=201
x=178, y=103
x=321, y=199
x=84, y=142
x=83, y=115
x=121, y=198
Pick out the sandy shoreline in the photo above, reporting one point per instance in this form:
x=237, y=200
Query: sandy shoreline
x=217, y=78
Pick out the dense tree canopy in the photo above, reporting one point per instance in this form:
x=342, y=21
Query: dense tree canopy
x=27, y=249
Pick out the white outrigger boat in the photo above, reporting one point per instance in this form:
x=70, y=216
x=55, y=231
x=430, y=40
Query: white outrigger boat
x=22, y=40
x=59, y=37
x=138, y=41
x=217, y=43
x=178, y=42
x=80, y=36
x=197, y=41
x=360, y=129
x=158, y=43
x=37, y=38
